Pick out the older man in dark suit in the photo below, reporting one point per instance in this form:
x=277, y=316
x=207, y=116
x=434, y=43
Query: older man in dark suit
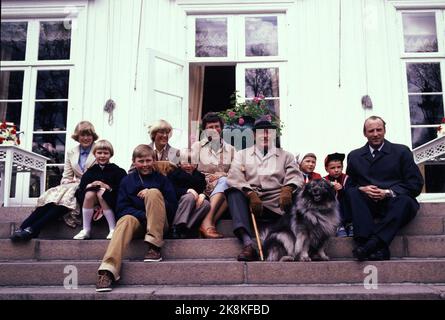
x=381, y=191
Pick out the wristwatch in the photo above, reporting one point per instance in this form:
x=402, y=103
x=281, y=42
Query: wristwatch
x=389, y=193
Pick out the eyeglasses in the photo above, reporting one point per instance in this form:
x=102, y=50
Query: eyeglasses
x=163, y=132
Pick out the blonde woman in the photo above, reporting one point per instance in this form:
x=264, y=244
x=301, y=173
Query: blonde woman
x=60, y=201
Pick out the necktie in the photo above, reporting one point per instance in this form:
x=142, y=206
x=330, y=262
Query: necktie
x=375, y=153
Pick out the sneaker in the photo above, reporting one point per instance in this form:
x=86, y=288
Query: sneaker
x=153, y=254
x=350, y=230
x=104, y=281
x=341, y=232
x=110, y=235
x=82, y=235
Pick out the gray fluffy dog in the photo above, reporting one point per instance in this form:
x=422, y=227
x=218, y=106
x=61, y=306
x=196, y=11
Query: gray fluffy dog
x=302, y=234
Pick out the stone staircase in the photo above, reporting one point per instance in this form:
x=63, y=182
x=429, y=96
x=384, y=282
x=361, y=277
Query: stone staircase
x=207, y=269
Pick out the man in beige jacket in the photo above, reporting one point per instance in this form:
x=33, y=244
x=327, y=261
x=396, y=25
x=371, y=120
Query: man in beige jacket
x=262, y=179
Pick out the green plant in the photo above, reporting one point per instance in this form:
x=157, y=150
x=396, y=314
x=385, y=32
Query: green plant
x=238, y=112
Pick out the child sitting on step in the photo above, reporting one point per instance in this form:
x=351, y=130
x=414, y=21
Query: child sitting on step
x=99, y=185
x=193, y=206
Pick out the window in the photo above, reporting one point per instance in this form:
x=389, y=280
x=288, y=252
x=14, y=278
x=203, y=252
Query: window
x=423, y=58
x=218, y=38
x=36, y=65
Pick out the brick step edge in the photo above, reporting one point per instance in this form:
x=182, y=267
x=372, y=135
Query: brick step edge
x=234, y=292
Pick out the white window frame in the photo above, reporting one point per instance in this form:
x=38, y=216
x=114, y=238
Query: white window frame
x=282, y=87
x=76, y=12
x=236, y=42
x=437, y=6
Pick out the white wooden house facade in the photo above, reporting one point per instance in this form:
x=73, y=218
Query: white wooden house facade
x=321, y=56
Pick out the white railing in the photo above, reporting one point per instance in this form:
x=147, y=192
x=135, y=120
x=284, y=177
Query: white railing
x=430, y=151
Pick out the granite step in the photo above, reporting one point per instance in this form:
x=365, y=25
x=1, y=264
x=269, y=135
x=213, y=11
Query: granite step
x=227, y=272
x=423, y=224
x=338, y=248
x=231, y=292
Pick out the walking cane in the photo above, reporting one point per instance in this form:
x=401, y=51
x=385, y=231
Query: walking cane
x=258, y=240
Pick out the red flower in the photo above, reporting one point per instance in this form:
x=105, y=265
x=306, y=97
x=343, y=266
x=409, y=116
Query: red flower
x=240, y=121
x=1, y=140
x=231, y=114
x=13, y=131
x=3, y=125
x=269, y=117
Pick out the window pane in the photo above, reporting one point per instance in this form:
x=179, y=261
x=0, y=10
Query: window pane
x=423, y=77
x=262, y=82
x=11, y=85
x=435, y=178
x=51, y=146
x=13, y=41
x=211, y=37
x=53, y=176
x=419, y=31
x=261, y=36
x=50, y=116
x=11, y=112
x=52, y=84
x=55, y=40
x=421, y=136
x=34, y=186
x=426, y=109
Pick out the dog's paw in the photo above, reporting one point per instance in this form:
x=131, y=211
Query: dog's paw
x=305, y=259
x=324, y=258
x=287, y=259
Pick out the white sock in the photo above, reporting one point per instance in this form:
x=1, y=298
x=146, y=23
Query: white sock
x=87, y=215
x=109, y=215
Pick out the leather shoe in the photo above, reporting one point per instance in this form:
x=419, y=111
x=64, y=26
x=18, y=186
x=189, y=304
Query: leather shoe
x=248, y=254
x=22, y=235
x=210, y=233
x=380, y=255
x=360, y=253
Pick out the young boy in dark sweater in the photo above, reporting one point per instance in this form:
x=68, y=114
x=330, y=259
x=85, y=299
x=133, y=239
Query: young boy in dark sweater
x=145, y=203
x=193, y=205
x=334, y=167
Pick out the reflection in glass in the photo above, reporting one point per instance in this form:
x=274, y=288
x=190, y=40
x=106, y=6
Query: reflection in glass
x=50, y=116
x=261, y=36
x=54, y=40
x=11, y=112
x=421, y=136
x=51, y=146
x=262, y=81
x=423, y=77
x=13, y=41
x=53, y=176
x=435, y=178
x=426, y=109
x=211, y=37
x=52, y=84
x=419, y=31
x=11, y=85
x=34, y=186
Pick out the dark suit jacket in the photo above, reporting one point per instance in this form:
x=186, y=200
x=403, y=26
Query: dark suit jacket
x=393, y=168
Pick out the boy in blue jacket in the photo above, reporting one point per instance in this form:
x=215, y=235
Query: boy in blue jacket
x=145, y=203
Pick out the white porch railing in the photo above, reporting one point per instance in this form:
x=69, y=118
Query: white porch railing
x=431, y=150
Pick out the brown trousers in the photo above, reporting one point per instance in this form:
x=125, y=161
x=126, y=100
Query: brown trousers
x=128, y=227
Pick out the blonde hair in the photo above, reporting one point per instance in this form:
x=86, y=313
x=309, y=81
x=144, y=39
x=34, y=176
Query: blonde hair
x=84, y=128
x=159, y=125
x=103, y=145
x=143, y=150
